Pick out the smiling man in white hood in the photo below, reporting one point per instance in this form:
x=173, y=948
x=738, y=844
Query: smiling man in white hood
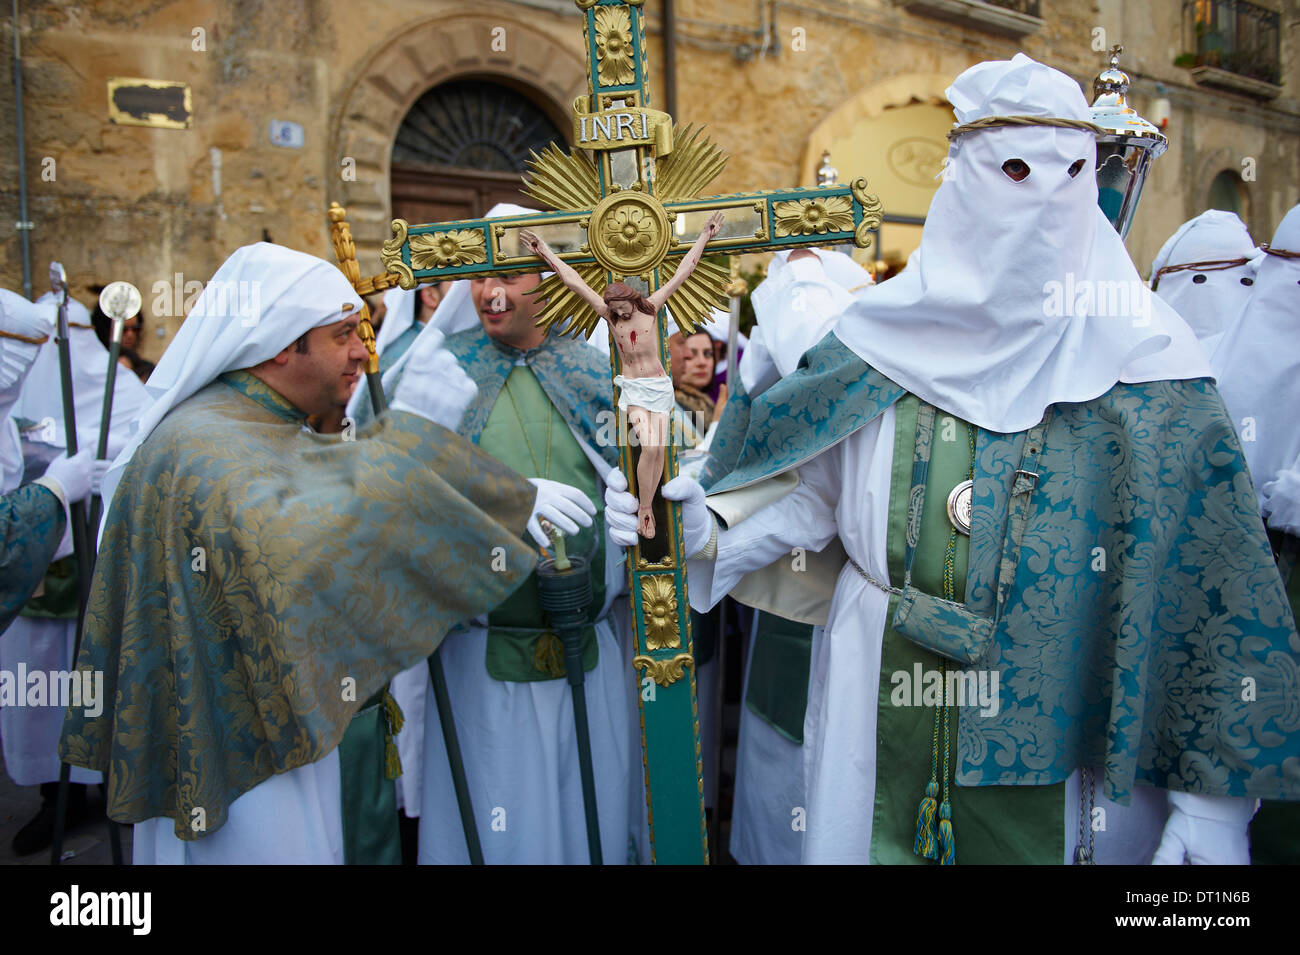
x=258, y=582
x=1044, y=507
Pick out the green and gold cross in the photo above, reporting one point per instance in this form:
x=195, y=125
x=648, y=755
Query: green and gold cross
x=627, y=207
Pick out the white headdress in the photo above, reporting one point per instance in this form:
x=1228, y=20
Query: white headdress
x=455, y=313
x=1209, y=298
x=42, y=395
x=22, y=329
x=262, y=299
x=1258, y=364
x=1024, y=295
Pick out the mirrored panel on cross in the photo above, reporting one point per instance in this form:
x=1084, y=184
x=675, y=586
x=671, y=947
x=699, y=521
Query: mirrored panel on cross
x=565, y=236
x=742, y=221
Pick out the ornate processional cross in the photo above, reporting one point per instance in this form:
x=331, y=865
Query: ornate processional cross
x=627, y=208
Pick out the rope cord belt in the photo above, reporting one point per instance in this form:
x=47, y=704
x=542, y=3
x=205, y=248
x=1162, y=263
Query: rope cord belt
x=1214, y=265
x=1280, y=253
x=25, y=338
x=992, y=122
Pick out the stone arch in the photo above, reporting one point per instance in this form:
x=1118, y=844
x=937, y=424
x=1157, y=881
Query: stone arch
x=901, y=90
x=1223, y=159
x=412, y=60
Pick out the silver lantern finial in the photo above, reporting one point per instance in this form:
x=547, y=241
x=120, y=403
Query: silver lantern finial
x=827, y=175
x=1126, y=148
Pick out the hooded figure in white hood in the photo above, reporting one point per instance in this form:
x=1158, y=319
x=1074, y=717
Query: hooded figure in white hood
x=40, y=633
x=257, y=583
x=1040, y=496
x=1206, y=271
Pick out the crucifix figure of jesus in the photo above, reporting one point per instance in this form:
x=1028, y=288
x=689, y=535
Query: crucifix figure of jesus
x=645, y=389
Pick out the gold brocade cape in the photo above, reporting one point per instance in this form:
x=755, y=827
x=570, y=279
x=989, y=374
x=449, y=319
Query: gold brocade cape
x=256, y=583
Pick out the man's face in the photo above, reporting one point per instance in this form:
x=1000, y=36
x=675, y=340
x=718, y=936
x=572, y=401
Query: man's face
x=324, y=376
x=621, y=310
x=507, y=312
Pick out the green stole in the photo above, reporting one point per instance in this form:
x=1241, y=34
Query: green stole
x=518, y=651
x=991, y=824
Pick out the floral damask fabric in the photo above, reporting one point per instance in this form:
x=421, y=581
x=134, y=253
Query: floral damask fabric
x=31, y=525
x=575, y=377
x=257, y=583
x=1147, y=628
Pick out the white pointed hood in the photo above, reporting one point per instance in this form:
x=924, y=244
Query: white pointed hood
x=1208, y=299
x=21, y=328
x=1258, y=362
x=1023, y=294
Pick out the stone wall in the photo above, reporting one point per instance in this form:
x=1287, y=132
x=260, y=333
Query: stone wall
x=142, y=204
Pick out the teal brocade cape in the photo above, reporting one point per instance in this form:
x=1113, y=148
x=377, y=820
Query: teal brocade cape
x=1175, y=663
x=257, y=583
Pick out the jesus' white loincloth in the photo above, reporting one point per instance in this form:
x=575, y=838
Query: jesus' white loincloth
x=653, y=394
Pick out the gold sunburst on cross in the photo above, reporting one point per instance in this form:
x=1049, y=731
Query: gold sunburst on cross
x=626, y=205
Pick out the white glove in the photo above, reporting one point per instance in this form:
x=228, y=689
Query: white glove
x=1282, y=501
x=1206, y=830
x=620, y=510
x=565, y=507
x=697, y=520
x=433, y=384
x=76, y=475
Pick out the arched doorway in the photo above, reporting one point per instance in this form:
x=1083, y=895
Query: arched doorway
x=541, y=60
x=894, y=134
x=462, y=147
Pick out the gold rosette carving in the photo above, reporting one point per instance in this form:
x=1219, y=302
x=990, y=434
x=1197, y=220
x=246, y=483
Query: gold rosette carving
x=813, y=216
x=629, y=233
x=441, y=250
x=659, y=607
x=614, y=46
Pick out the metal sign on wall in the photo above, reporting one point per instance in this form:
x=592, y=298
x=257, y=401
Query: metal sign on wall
x=158, y=103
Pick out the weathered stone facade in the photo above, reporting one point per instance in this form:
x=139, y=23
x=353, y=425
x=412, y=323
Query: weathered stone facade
x=775, y=82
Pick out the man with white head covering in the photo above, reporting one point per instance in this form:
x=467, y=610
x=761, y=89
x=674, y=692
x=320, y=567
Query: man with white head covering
x=306, y=571
x=543, y=407
x=1205, y=271
x=1116, y=585
x=41, y=638
x=1258, y=370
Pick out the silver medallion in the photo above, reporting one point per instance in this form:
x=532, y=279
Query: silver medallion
x=959, y=506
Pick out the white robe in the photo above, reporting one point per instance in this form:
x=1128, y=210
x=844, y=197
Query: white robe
x=845, y=490
x=521, y=752
x=30, y=735
x=293, y=818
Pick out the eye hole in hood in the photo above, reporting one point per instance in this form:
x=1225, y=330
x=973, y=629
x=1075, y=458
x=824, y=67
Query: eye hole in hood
x=1017, y=170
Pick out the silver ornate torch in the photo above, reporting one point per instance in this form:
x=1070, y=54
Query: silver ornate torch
x=1125, y=151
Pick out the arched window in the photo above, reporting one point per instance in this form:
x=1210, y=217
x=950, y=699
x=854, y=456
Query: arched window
x=1228, y=192
x=462, y=147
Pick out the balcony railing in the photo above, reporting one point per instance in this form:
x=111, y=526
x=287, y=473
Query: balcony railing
x=1239, y=37
x=1009, y=17
x=1028, y=7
